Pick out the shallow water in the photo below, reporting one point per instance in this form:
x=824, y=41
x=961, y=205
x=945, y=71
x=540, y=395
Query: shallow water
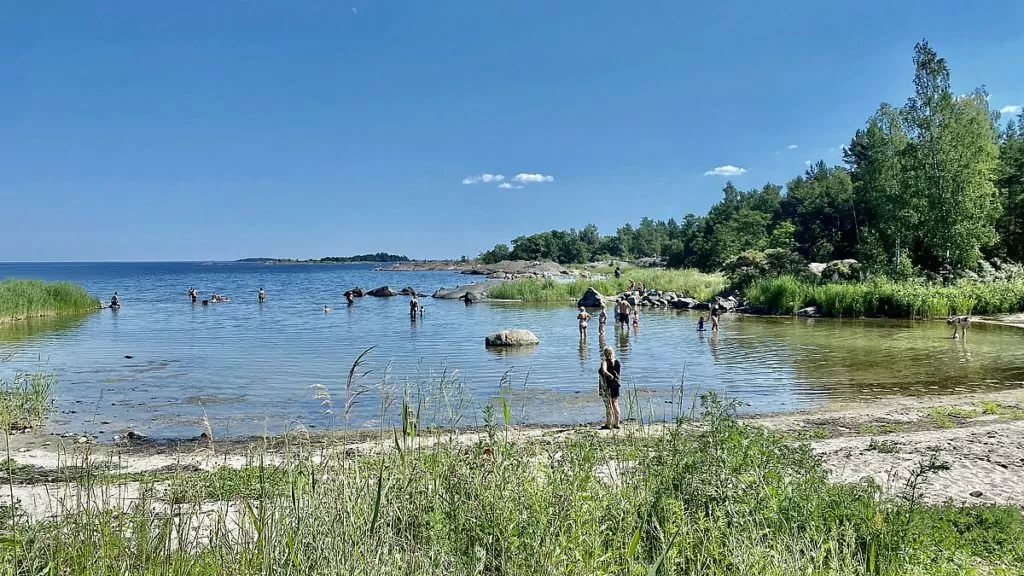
x=249, y=368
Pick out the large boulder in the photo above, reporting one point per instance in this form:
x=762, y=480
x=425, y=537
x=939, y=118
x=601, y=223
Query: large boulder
x=472, y=297
x=809, y=312
x=682, y=303
x=515, y=337
x=843, y=271
x=382, y=292
x=355, y=292
x=407, y=291
x=591, y=299
x=816, y=268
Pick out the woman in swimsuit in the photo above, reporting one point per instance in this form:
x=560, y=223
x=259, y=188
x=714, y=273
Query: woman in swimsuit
x=583, y=317
x=609, y=373
x=714, y=317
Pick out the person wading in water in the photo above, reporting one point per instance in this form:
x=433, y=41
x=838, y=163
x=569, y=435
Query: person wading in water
x=608, y=373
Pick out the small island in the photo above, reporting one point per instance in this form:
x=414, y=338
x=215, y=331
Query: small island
x=379, y=257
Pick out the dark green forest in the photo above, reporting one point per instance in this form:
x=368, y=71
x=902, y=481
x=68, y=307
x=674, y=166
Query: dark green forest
x=932, y=185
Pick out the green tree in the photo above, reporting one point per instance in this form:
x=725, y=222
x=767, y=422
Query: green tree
x=1010, y=184
x=951, y=162
x=820, y=204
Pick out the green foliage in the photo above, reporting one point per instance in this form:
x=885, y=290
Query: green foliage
x=26, y=298
x=26, y=401
x=752, y=265
x=708, y=496
x=884, y=297
x=690, y=282
x=928, y=187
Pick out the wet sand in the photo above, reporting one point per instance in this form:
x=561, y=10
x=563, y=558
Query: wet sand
x=978, y=440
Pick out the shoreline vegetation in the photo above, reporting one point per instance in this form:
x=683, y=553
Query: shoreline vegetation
x=923, y=217
x=709, y=493
x=24, y=299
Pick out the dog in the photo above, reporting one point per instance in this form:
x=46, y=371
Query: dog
x=961, y=323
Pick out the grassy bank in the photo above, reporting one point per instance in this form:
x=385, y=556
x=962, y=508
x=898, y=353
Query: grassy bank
x=689, y=282
x=21, y=299
x=25, y=401
x=878, y=297
x=718, y=497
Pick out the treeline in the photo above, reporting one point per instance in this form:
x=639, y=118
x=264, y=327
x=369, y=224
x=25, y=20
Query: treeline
x=933, y=185
x=378, y=257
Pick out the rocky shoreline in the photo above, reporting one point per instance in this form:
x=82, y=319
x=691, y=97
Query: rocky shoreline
x=506, y=270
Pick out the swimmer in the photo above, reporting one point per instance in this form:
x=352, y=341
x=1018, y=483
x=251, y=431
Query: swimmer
x=326, y=308
x=262, y=295
x=622, y=310
x=193, y=294
x=414, y=307
x=714, y=317
x=349, y=299
x=700, y=324
x=602, y=319
x=583, y=318
x=115, y=301
x=636, y=318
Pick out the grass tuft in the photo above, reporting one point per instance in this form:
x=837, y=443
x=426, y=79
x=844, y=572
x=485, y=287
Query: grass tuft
x=691, y=283
x=20, y=299
x=882, y=297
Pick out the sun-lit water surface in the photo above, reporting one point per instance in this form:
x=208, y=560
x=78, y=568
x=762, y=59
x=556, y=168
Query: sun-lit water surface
x=249, y=367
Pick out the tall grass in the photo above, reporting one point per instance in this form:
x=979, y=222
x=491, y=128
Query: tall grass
x=882, y=297
x=710, y=496
x=25, y=401
x=27, y=298
x=691, y=283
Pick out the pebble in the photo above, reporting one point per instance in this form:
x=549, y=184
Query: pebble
x=82, y=440
x=977, y=494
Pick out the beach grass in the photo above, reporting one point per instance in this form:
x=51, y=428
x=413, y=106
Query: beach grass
x=882, y=297
x=21, y=299
x=708, y=495
x=690, y=283
x=26, y=400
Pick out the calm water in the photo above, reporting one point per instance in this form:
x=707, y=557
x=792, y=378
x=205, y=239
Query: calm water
x=250, y=367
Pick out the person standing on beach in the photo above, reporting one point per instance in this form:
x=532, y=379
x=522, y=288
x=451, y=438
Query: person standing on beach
x=583, y=318
x=609, y=385
x=602, y=319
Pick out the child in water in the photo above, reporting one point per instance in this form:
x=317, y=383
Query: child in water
x=636, y=318
x=602, y=319
x=700, y=324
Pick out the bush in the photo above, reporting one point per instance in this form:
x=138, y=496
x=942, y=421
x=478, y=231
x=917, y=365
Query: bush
x=752, y=265
x=843, y=271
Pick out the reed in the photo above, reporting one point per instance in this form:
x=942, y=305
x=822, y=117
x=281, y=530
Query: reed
x=20, y=299
x=882, y=297
x=691, y=283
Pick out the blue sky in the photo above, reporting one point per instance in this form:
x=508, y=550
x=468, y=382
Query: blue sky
x=221, y=130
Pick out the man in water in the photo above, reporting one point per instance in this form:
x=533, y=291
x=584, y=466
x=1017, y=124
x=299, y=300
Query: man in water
x=623, y=310
x=349, y=299
x=263, y=296
x=414, y=307
x=193, y=294
x=115, y=302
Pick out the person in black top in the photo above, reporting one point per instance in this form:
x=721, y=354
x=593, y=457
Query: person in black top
x=609, y=373
x=715, y=311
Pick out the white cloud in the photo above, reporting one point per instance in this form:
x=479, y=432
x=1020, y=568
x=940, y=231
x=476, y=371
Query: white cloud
x=807, y=162
x=483, y=178
x=792, y=147
x=504, y=185
x=533, y=178
x=727, y=170
x=354, y=10
x=1011, y=109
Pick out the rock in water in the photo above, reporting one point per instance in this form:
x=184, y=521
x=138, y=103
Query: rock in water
x=408, y=291
x=355, y=292
x=682, y=303
x=809, y=312
x=591, y=299
x=472, y=297
x=382, y=292
x=515, y=337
